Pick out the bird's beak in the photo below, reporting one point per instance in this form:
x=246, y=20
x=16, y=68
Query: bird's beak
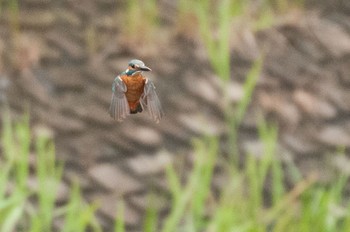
x=145, y=68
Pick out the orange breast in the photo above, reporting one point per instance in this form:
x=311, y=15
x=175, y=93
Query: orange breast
x=135, y=85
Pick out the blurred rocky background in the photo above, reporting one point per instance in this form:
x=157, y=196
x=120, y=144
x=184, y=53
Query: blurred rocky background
x=58, y=60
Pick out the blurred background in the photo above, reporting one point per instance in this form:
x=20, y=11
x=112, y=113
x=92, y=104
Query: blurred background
x=250, y=75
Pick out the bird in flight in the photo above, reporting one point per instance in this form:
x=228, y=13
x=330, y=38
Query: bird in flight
x=132, y=93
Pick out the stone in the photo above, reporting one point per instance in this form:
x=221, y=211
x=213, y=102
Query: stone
x=50, y=55
x=68, y=18
x=148, y=164
x=334, y=135
x=66, y=45
x=177, y=102
x=199, y=123
x=326, y=31
x=98, y=114
x=27, y=52
x=173, y=129
x=247, y=46
x=161, y=183
x=299, y=144
x=73, y=177
x=41, y=20
x=314, y=106
x=290, y=114
x=202, y=88
x=82, y=7
x=251, y=118
x=38, y=2
x=342, y=163
x=344, y=71
x=109, y=206
x=67, y=78
x=144, y=135
x=5, y=83
x=315, y=167
x=107, y=3
x=145, y=201
x=114, y=179
x=41, y=130
x=64, y=123
x=340, y=97
x=279, y=104
x=120, y=145
x=254, y=147
x=287, y=68
x=34, y=89
x=58, y=223
x=62, y=191
x=236, y=92
x=107, y=22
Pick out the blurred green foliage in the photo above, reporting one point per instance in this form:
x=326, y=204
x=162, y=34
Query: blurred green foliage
x=26, y=208
x=140, y=23
x=238, y=205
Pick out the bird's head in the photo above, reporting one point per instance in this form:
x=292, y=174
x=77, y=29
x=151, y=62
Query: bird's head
x=136, y=66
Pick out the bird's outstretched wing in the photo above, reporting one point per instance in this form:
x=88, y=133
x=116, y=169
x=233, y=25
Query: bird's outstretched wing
x=150, y=101
x=119, y=107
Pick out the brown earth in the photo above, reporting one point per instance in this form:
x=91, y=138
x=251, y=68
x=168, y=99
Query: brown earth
x=62, y=56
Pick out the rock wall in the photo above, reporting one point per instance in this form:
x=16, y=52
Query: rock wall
x=59, y=58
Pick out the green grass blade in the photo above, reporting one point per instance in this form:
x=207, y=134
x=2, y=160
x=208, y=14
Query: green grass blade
x=11, y=210
x=174, y=183
x=47, y=181
x=119, y=222
x=151, y=218
x=8, y=141
x=206, y=152
x=79, y=216
x=254, y=185
x=249, y=85
x=23, y=137
x=13, y=217
x=178, y=210
x=4, y=179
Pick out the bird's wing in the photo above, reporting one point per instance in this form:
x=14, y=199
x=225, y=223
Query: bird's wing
x=150, y=101
x=119, y=107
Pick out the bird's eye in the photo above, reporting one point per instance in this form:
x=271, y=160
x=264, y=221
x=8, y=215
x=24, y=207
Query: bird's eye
x=133, y=66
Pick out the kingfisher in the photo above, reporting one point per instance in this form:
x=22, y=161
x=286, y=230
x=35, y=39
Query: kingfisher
x=132, y=93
